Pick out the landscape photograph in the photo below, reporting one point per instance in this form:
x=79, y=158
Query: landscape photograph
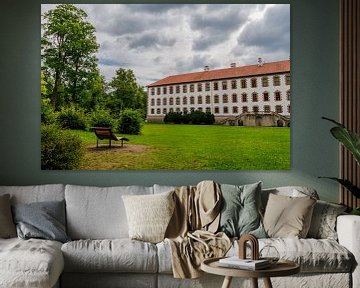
x=165, y=87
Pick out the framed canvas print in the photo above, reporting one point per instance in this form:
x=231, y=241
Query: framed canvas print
x=165, y=87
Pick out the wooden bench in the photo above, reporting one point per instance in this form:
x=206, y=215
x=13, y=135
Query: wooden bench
x=107, y=133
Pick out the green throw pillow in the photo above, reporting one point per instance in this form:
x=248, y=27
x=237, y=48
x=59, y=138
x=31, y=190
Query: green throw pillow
x=240, y=213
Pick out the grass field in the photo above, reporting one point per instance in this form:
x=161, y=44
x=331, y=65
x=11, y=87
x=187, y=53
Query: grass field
x=193, y=147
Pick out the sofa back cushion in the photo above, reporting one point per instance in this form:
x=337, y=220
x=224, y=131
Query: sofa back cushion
x=98, y=212
x=35, y=193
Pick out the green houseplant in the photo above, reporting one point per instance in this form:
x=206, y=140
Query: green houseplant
x=351, y=142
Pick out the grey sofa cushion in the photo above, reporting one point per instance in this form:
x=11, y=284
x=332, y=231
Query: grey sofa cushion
x=7, y=226
x=98, y=212
x=117, y=255
x=30, y=263
x=34, y=193
x=44, y=220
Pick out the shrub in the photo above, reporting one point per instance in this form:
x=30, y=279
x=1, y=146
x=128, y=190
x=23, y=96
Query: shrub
x=173, y=117
x=130, y=122
x=101, y=118
x=48, y=115
x=60, y=149
x=195, y=117
x=72, y=118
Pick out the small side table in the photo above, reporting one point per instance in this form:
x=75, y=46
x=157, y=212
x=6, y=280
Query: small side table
x=281, y=268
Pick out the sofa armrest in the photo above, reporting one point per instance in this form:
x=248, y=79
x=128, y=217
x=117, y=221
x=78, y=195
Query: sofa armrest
x=348, y=230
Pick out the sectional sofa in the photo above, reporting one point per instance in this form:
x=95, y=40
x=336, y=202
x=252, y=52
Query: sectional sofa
x=100, y=253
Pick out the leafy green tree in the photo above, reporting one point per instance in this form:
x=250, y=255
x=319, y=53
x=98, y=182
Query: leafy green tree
x=125, y=92
x=68, y=47
x=130, y=122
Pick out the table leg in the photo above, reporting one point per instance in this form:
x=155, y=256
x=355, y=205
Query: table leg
x=227, y=282
x=254, y=282
x=267, y=283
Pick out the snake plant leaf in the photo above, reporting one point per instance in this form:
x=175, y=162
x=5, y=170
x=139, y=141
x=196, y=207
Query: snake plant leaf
x=348, y=185
x=348, y=138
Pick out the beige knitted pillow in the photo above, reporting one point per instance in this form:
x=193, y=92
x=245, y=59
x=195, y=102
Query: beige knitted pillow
x=149, y=215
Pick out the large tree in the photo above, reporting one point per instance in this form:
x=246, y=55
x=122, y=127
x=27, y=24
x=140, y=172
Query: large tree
x=125, y=92
x=68, y=47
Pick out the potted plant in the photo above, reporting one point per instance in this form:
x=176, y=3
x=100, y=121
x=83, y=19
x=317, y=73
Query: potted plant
x=351, y=141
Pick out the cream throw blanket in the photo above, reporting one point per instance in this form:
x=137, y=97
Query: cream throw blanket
x=191, y=231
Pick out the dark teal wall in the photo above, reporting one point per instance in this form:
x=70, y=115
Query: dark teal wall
x=314, y=69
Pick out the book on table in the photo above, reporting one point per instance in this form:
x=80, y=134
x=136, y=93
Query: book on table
x=249, y=264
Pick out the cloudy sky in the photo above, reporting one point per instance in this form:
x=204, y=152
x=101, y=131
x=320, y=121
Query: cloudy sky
x=158, y=40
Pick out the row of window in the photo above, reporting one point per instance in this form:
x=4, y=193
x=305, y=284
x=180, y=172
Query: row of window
x=225, y=98
x=224, y=85
x=235, y=109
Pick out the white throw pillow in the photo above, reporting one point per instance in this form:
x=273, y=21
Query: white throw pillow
x=149, y=215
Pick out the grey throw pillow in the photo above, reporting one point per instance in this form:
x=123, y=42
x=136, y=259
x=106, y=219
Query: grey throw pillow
x=323, y=222
x=44, y=220
x=7, y=226
x=240, y=213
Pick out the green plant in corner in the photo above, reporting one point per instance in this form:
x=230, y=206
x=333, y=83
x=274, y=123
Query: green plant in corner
x=351, y=141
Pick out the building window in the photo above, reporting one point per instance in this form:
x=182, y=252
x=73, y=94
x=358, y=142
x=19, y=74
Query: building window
x=208, y=110
x=216, y=99
x=199, y=87
x=207, y=86
x=177, y=88
x=265, y=81
x=235, y=109
x=226, y=110
x=178, y=109
x=276, y=80
x=233, y=84
x=278, y=109
x=177, y=100
x=266, y=96
x=216, y=110
x=171, y=101
x=152, y=102
x=288, y=95
x=171, y=89
x=152, y=91
x=207, y=99
x=192, y=100
x=164, y=101
x=192, y=109
x=245, y=109
x=267, y=108
x=158, y=111
x=158, y=102
x=234, y=98
x=164, y=90
x=185, y=110
x=255, y=109
x=224, y=85
x=225, y=98
x=171, y=110
x=243, y=83
x=216, y=86
x=254, y=97
x=185, y=88
x=200, y=109
x=253, y=82
x=191, y=87
x=152, y=111
x=164, y=111
x=244, y=97
x=184, y=100
x=287, y=79
x=158, y=91
x=277, y=96
x=288, y=108
x=199, y=99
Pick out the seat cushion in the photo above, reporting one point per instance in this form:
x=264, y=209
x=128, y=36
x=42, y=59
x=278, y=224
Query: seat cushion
x=117, y=255
x=30, y=263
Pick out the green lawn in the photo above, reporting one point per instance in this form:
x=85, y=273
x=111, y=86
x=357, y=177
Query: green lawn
x=194, y=147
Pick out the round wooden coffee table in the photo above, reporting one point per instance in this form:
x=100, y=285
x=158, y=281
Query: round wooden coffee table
x=281, y=268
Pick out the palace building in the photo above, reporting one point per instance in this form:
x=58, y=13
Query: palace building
x=253, y=95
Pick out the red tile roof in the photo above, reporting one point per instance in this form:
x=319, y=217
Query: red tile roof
x=242, y=71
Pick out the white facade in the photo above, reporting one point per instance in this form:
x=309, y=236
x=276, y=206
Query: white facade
x=224, y=101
